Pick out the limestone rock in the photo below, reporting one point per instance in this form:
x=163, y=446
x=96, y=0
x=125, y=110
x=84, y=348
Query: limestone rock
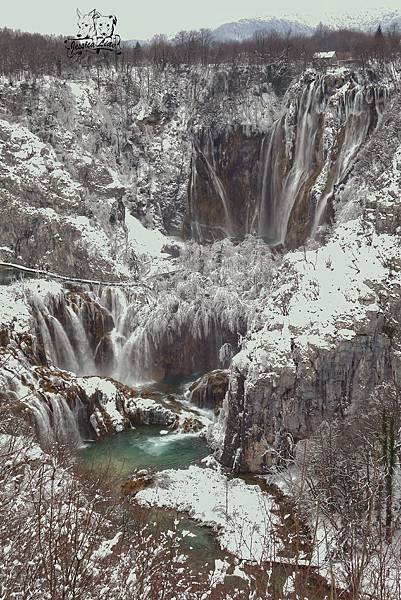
x=209, y=390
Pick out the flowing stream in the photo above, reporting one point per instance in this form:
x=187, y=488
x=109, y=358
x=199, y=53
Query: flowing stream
x=150, y=447
x=143, y=448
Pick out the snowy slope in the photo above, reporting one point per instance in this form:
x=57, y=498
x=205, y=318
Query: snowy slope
x=247, y=28
x=321, y=297
x=242, y=514
x=295, y=24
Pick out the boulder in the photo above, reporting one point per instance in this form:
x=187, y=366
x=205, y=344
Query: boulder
x=209, y=390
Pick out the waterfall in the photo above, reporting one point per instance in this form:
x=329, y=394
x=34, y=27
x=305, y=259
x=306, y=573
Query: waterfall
x=223, y=197
x=57, y=345
x=65, y=421
x=217, y=183
x=195, y=223
x=55, y=420
x=45, y=335
x=69, y=329
x=62, y=330
x=280, y=191
x=115, y=300
x=72, y=328
x=135, y=364
x=64, y=351
x=271, y=183
x=86, y=364
x=299, y=173
x=358, y=122
x=278, y=183
x=207, y=155
x=41, y=418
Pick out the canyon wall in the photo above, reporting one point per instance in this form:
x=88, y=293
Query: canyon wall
x=330, y=331
x=281, y=184
x=244, y=175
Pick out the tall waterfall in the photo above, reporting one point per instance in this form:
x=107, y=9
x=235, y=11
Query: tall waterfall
x=223, y=182
x=280, y=190
x=310, y=151
x=205, y=153
x=280, y=184
x=360, y=109
x=217, y=183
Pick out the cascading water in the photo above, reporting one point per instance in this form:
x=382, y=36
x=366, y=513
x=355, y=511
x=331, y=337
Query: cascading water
x=362, y=109
x=44, y=330
x=135, y=358
x=120, y=335
x=84, y=359
x=55, y=419
x=204, y=159
x=301, y=168
x=66, y=347
x=75, y=337
x=64, y=352
x=128, y=338
x=216, y=181
x=280, y=190
x=306, y=154
x=71, y=328
x=279, y=184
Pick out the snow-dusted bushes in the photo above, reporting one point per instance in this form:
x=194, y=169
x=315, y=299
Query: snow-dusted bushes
x=346, y=481
x=210, y=301
x=64, y=536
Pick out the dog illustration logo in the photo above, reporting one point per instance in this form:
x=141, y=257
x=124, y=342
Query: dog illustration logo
x=104, y=26
x=95, y=32
x=86, y=25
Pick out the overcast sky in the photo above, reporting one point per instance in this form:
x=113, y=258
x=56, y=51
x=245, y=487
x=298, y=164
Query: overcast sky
x=141, y=19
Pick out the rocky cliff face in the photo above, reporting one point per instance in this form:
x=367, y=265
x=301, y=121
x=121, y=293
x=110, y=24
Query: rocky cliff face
x=282, y=184
x=278, y=411
x=81, y=158
x=224, y=185
x=209, y=391
x=330, y=331
x=219, y=157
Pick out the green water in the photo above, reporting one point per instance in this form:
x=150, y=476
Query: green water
x=143, y=448
x=201, y=544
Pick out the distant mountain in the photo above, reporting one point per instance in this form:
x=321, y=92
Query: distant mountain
x=246, y=28
x=367, y=20
x=297, y=24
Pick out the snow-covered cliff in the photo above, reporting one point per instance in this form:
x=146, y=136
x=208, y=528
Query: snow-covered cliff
x=109, y=177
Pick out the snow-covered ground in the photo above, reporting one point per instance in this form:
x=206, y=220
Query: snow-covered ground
x=69, y=190
x=14, y=301
x=240, y=513
x=321, y=297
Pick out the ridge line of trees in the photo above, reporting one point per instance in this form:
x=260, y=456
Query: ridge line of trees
x=39, y=54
